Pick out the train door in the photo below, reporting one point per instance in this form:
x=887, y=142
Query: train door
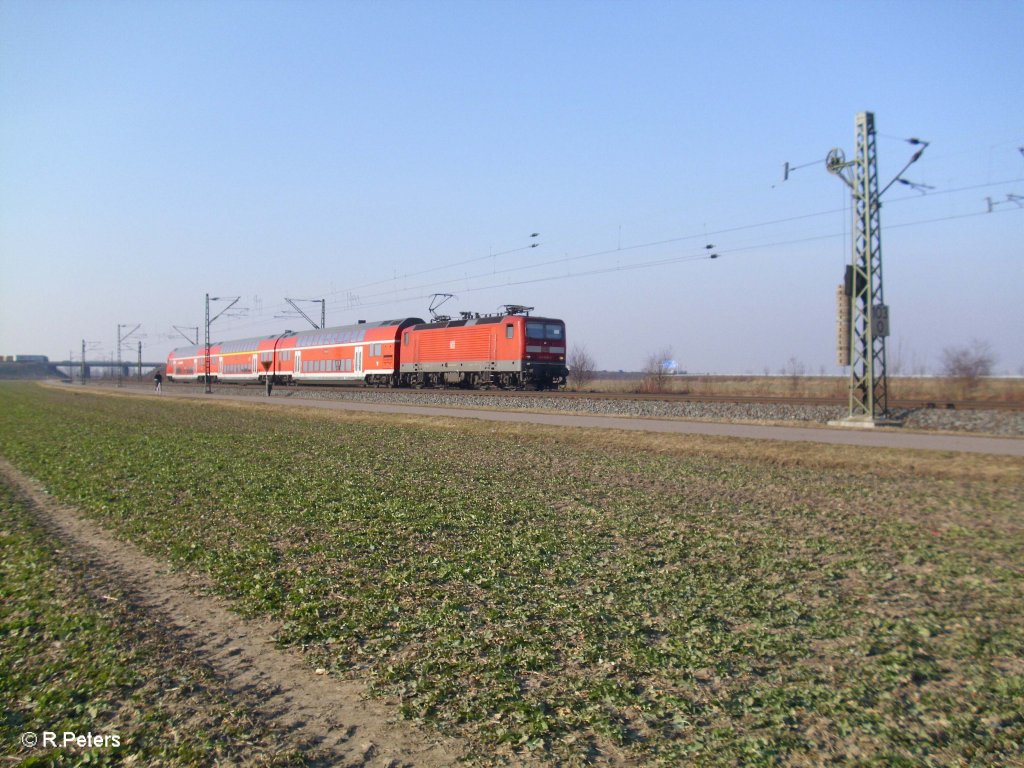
x=358, y=363
x=298, y=362
x=255, y=365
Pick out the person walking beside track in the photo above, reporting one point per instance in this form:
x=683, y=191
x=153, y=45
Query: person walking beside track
x=159, y=381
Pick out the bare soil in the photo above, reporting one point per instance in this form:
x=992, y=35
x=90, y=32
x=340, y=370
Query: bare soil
x=310, y=705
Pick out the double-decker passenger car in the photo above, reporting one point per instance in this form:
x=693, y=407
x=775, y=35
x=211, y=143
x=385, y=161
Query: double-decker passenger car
x=364, y=352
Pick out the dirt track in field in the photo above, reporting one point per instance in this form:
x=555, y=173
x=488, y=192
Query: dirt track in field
x=333, y=714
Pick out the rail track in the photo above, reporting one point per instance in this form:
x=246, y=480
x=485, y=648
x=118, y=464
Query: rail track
x=910, y=404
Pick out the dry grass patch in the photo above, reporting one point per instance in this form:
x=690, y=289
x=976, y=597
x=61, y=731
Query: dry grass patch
x=937, y=389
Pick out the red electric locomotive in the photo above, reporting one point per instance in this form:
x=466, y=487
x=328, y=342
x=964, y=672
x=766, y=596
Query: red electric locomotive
x=510, y=350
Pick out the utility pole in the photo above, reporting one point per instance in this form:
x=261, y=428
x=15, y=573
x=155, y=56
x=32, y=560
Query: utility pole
x=862, y=311
x=206, y=368
x=85, y=366
x=121, y=339
x=193, y=339
x=206, y=352
x=323, y=311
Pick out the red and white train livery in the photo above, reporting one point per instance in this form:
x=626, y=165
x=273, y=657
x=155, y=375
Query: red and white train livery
x=509, y=350
x=365, y=352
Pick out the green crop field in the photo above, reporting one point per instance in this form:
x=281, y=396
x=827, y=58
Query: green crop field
x=577, y=597
x=77, y=659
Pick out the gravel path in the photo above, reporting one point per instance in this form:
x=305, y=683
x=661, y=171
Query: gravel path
x=1002, y=423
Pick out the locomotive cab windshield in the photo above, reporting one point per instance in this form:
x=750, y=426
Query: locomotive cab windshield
x=538, y=330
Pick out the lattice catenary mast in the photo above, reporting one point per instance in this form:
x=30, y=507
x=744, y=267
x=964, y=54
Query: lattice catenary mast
x=863, y=314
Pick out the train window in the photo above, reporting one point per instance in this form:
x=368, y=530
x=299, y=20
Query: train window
x=405, y=338
x=509, y=330
x=539, y=330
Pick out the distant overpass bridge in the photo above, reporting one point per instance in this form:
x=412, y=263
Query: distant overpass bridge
x=73, y=368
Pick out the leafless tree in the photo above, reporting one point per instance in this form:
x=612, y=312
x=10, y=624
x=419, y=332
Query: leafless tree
x=968, y=363
x=795, y=371
x=581, y=366
x=657, y=377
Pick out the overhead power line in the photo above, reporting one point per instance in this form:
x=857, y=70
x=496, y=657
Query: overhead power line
x=631, y=267
x=419, y=292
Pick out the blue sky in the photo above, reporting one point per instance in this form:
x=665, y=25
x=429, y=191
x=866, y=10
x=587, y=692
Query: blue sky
x=375, y=153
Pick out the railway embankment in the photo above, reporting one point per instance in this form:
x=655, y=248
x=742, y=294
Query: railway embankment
x=991, y=422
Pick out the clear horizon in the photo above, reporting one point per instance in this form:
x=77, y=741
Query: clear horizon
x=375, y=153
